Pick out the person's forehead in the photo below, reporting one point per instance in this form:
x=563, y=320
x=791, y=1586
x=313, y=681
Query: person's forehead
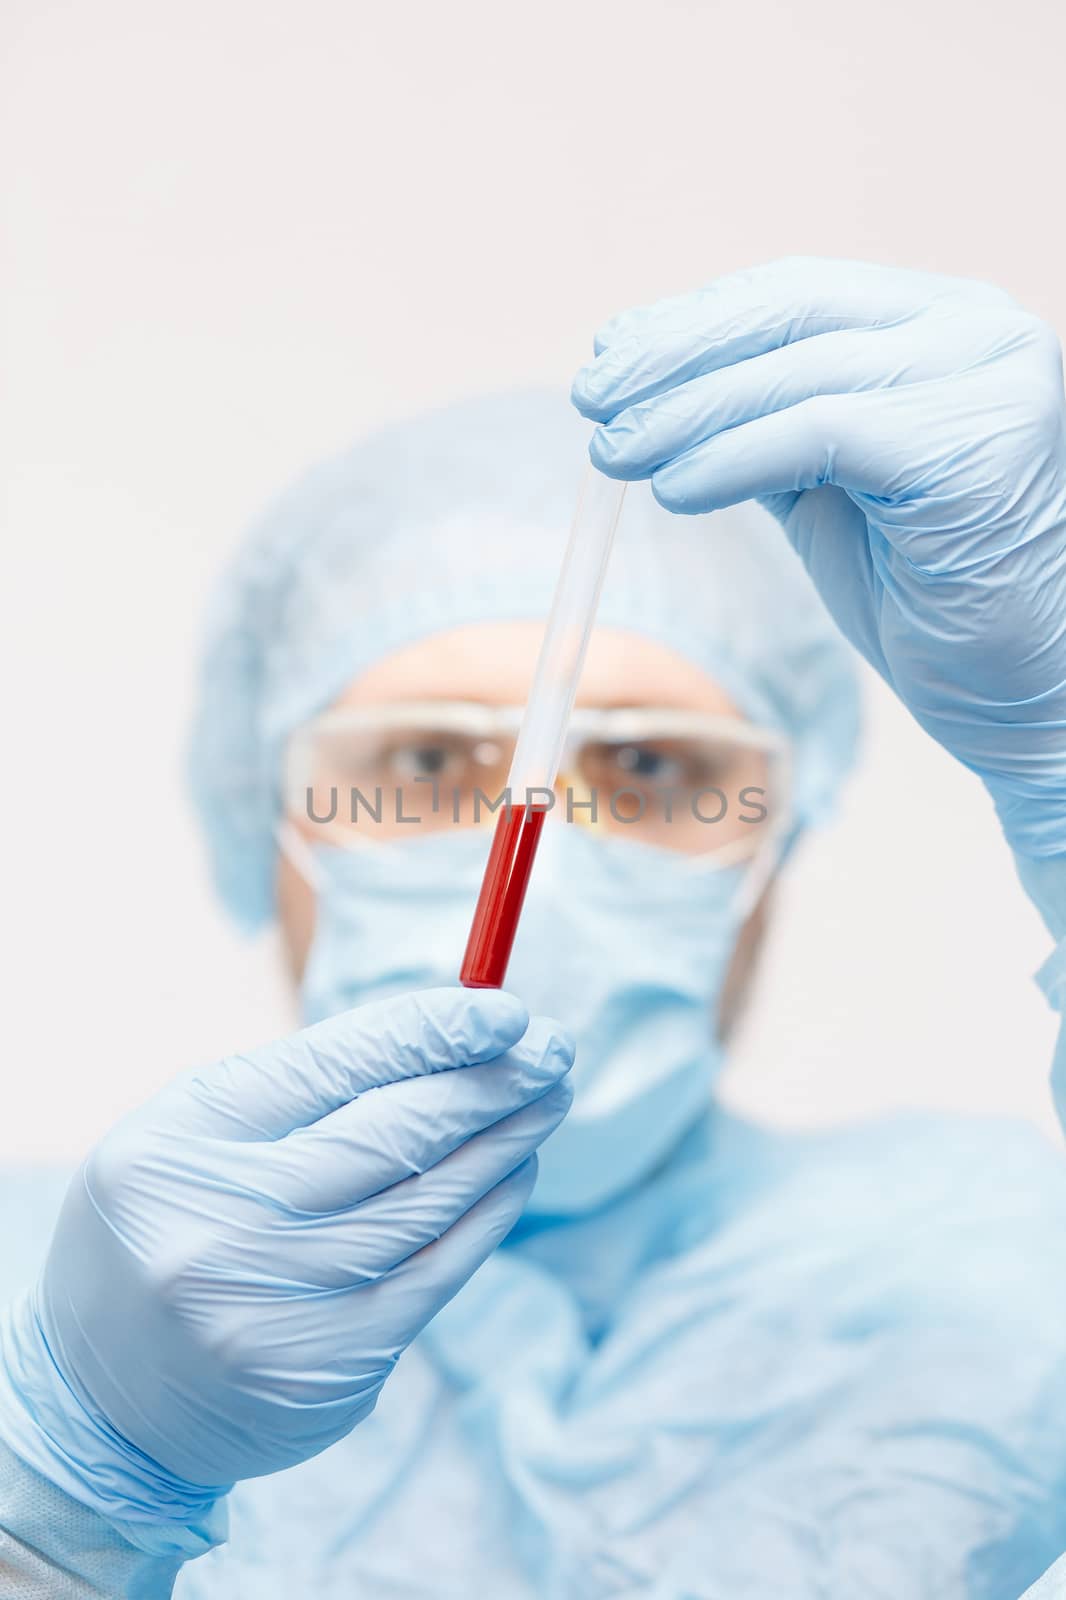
x=494, y=662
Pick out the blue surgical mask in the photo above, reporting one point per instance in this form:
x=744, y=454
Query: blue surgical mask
x=627, y=945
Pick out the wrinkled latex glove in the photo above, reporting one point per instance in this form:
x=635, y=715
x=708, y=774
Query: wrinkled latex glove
x=239, y=1264
x=909, y=433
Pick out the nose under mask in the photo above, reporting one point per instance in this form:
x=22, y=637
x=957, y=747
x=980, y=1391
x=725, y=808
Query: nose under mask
x=627, y=945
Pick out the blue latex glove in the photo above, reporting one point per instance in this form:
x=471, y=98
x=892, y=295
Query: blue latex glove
x=239, y=1264
x=909, y=432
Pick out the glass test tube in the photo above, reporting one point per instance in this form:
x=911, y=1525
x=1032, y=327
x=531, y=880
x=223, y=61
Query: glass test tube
x=539, y=747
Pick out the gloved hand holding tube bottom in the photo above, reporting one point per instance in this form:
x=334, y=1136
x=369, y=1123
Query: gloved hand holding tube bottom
x=239, y=1263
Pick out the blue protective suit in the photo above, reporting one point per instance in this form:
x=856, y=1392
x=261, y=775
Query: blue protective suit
x=810, y=1367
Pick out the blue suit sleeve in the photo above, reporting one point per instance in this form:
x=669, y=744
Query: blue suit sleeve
x=1052, y=1586
x=1045, y=883
x=52, y=1548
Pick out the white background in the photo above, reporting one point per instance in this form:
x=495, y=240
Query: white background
x=237, y=233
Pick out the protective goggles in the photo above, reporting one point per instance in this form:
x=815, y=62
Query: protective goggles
x=682, y=781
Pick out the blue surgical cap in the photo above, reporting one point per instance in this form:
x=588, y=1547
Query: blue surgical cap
x=461, y=515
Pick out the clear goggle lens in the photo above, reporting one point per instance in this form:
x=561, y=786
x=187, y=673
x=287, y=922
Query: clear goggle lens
x=686, y=782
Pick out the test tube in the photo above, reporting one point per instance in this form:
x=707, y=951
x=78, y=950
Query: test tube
x=539, y=747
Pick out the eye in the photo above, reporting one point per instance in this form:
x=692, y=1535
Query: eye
x=655, y=764
x=648, y=763
x=426, y=758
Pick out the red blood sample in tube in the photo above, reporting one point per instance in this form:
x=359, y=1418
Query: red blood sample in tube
x=503, y=889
